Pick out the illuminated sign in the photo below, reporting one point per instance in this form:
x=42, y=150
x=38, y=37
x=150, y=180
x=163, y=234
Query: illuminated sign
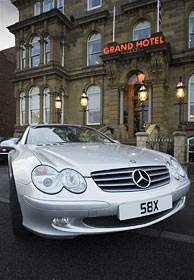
x=134, y=46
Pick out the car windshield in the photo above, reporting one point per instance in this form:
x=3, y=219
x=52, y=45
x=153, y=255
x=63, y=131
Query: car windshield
x=51, y=135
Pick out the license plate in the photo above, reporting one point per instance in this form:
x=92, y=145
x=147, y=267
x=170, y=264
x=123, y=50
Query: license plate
x=144, y=208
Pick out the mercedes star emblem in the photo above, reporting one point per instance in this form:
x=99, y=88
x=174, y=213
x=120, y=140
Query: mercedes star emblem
x=141, y=178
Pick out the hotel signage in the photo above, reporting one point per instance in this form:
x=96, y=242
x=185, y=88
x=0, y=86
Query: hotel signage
x=134, y=46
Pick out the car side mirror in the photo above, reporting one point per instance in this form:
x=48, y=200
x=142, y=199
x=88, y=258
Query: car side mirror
x=8, y=145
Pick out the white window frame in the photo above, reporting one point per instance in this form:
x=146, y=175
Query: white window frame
x=90, y=54
x=44, y=9
x=188, y=140
x=134, y=29
x=31, y=93
x=95, y=7
x=22, y=112
x=190, y=33
x=37, y=9
x=189, y=98
x=22, y=56
x=47, y=41
x=61, y=8
x=46, y=95
x=35, y=40
x=88, y=109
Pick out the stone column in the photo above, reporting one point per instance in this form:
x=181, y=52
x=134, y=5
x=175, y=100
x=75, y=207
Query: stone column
x=17, y=110
x=27, y=109
x=41, y=51
x=52, y=108
x=180, y=146
x=122, y=128
x=141, y=139
x=114, y=110
x=27, y=55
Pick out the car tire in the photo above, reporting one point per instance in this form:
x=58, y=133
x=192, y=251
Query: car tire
x=15, y=211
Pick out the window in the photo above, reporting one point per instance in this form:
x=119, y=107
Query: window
x=46, y=105
x=191, y=99
x=34, y=105
x=22, y=56
x=46, y=50
x=22, y=108
x=93, y=4
x=141, y=30
x=60, y=5
x=37, y=8
x=48, y=5
x=191, y=30
x=93, y=113
x=62, y=52
x=190, y=150
x=94, y=49
x=35, y=52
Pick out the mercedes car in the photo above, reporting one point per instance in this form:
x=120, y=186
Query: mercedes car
x=71, y=180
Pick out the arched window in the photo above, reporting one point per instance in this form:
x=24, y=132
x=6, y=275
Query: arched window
x=48, y=5
x=46, y=105
x=93, y=4
x=22, y=108
x=93, y=113
x=34, y=105
x=191, y=30
x=62, y=52
x=22, y=56
x=46, y=50
x=191, y=99
x=37, y=8
x=60, y=5
x=94, y=49
x=141, y=30
x=35, y=52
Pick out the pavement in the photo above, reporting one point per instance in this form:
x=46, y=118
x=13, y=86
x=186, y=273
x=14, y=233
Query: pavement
x=179, y=227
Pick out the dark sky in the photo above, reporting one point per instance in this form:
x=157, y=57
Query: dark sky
x=8, y=16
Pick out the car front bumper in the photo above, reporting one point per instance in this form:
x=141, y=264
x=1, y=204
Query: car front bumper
x=93, y=214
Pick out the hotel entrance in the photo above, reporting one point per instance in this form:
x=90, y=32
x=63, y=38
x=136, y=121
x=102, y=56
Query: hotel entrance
x=132, y=106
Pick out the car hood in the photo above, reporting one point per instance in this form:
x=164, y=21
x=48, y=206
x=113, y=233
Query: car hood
x=86, y=158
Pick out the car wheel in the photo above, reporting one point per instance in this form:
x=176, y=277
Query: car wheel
x=15, y=211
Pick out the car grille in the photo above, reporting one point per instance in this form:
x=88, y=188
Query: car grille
x=120, y=180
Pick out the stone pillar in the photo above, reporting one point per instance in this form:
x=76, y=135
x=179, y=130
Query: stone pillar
x=180, y=146
x=41, y=107
x=114, y=110
x=121, y=106
x=27, y=55
x=17, y=110
x=52, y=108
x=158, y=99
x=141, y=139
x=41, y=51
x=27, y=109
x=122, y=128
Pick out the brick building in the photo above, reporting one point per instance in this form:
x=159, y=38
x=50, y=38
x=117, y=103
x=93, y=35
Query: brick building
x=7, y=100
x=65, y=46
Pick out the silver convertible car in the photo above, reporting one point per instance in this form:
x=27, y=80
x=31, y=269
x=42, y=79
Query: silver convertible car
x=68, y=180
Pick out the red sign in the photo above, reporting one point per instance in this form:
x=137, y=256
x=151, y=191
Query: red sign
x=158, y=40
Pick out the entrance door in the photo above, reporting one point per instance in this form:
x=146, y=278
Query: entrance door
x=133, y=110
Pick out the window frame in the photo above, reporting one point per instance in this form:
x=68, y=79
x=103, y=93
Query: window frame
x=35, y=55
x=45, y=94
x=59, y=7
x=191, y=33
x=22, y=112
x=96, y=7
x=189, y=98
x=38, y=8
x=47, y=41
x=38, y=109
x=145, y=20
x=53, y=5
x=96, y=109
x=22, y=57
x=94, y=53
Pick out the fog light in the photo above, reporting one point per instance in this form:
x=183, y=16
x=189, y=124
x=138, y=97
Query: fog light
x=61, y=222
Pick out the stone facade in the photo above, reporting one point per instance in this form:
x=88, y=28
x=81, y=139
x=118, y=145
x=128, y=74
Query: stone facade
x=7, y=100
x=160, y=63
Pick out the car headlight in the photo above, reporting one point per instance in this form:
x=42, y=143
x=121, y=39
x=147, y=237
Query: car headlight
x=73, y=181
x=46, y=179
x=175, y=168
